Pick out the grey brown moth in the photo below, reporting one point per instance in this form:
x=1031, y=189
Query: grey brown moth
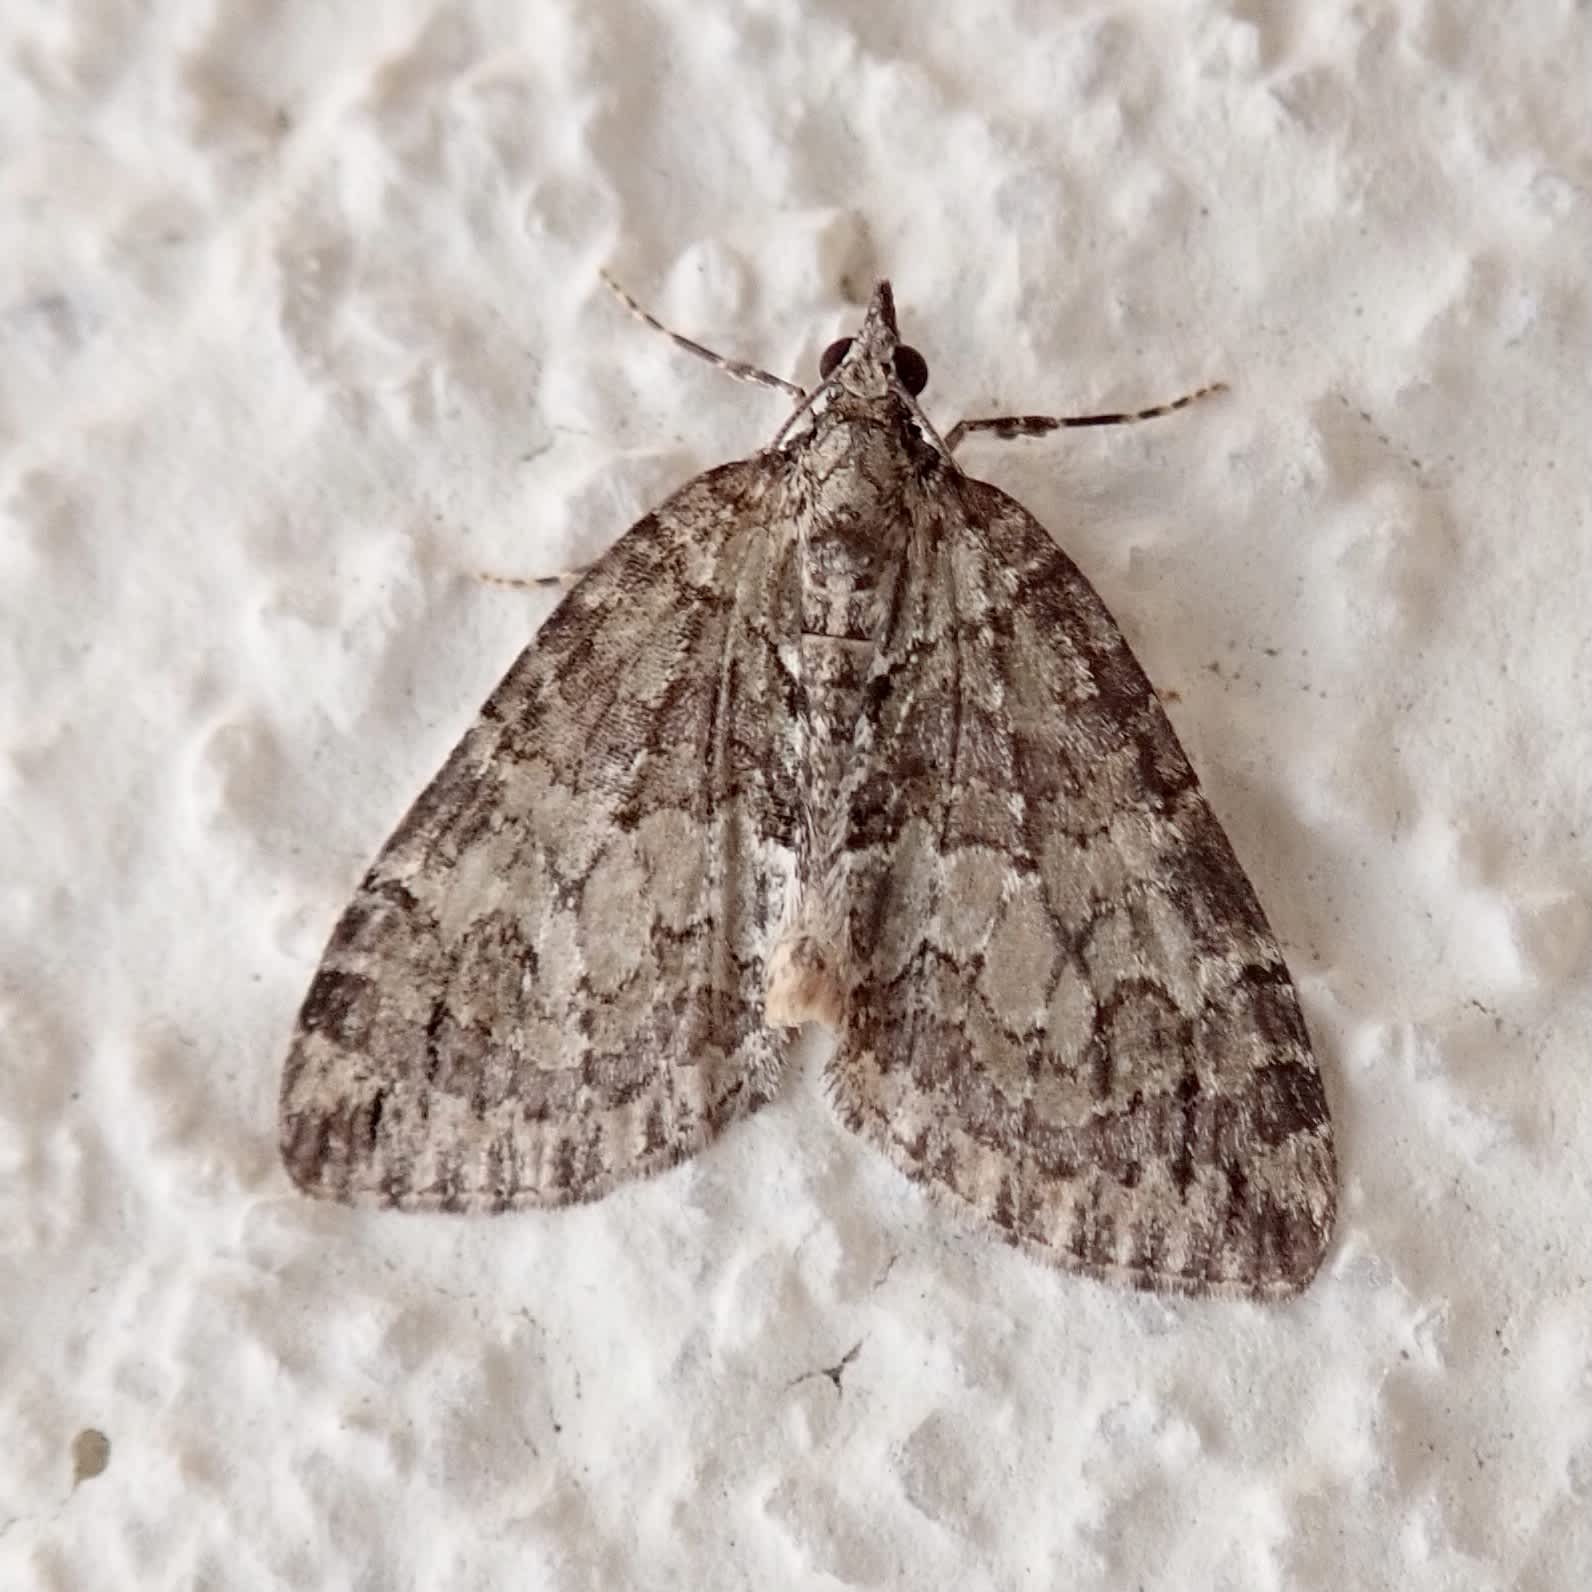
x=834, y=733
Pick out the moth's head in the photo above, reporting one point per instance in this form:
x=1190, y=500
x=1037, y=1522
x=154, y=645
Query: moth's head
x=876, y=359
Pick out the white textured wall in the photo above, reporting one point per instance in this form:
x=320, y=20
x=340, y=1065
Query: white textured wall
x=300, y=328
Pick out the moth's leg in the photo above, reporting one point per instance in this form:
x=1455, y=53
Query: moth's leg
x=731, y=367
x=535, y=582
x=1038, y=425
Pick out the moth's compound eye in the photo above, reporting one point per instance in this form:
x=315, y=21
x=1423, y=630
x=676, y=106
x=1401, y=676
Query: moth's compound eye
x=912, y=369
x=832, y=356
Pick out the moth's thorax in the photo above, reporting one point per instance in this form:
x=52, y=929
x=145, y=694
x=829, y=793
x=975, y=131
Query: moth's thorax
x=853, y=475
x=850, y=548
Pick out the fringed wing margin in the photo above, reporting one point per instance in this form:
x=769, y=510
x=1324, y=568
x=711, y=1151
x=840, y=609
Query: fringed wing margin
x=1071, y=1015
x=551, y=979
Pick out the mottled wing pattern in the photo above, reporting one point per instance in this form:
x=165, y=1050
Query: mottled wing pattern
x=1070, y=1013
x=551, y=979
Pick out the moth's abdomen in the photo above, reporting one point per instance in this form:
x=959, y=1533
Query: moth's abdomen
x=808, y=977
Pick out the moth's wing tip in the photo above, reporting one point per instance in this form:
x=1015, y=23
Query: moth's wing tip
x=1289, y=1274
x=315, y=1129
x=1312, y=1203
x=1290, y=1277
x=300, y=1147
x=1284, y=1272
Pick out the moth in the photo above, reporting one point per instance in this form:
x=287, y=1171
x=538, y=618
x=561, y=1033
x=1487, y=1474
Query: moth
x=837, y=734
